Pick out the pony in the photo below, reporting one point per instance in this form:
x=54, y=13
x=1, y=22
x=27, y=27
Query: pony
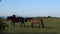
x=37, y=21
x=16, y=20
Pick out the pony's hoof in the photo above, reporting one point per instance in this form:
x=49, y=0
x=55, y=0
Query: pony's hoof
x=43, y=27
x=20, y=26
x=14, y=25
x=38, y=27
x=32, y=27
x=24, y=26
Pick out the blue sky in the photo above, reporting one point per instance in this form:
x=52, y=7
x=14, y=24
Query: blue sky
x=30, y=7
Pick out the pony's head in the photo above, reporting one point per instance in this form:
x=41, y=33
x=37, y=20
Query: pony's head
x=9, y=18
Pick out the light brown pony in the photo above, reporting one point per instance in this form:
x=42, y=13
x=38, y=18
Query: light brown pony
x=37, y=21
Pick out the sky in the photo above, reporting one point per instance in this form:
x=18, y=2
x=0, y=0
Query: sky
x=30, y=8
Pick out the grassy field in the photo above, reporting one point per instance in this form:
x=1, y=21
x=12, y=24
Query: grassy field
x=52, y=26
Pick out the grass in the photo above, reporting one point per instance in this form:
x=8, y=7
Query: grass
x=52, y=26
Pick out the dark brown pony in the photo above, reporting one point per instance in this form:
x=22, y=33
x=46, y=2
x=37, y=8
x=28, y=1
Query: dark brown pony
x=37, y=21
x=16, y=20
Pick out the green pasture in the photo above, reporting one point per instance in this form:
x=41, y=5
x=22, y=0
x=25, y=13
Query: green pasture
x=52, y=26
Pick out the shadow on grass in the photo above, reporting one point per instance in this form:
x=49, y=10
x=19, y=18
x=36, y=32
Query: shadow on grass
x=49, y=27
x=33, y=33
x=28, y=26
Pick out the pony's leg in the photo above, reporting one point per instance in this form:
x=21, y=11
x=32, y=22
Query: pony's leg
x=21, y=24
x=39, y=25
x=11, y=23
x=32, y=25
x=42, y=24
x=24, y=24
x=14, y=23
